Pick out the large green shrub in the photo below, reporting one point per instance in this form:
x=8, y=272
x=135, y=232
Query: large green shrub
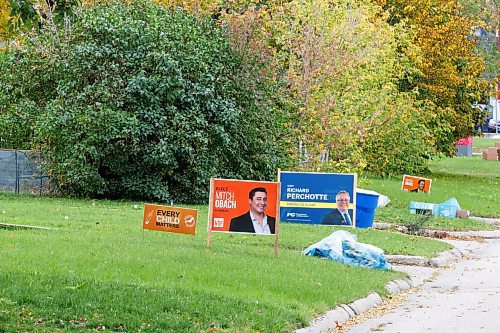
x=137, y=101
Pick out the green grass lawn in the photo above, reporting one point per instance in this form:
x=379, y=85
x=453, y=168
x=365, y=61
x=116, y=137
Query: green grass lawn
x=473, y=182
x=98, y=269
x=480, y=143
x=473, y=167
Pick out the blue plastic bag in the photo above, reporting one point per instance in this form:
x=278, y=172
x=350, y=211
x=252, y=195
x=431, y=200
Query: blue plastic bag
x=342, y=246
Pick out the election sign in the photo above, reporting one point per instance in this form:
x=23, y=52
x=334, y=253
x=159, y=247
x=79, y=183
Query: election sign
x=170, y=219
x=416, y=184
x=318, y=198
x=243, y=206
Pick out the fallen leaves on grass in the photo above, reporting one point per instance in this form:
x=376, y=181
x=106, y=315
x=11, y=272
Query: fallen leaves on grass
x=81, y=322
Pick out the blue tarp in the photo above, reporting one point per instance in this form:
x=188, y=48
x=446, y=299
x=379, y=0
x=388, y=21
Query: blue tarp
x=343, y=246
x=452, y=202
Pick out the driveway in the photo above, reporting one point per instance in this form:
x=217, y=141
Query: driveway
x=462, y=297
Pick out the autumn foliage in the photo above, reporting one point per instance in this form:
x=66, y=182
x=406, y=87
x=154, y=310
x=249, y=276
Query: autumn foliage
x=4, y=17
x=328, y=85
x=447, y=72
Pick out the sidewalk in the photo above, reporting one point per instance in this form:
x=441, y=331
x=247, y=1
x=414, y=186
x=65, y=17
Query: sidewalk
x=419, y=270
x=461, y=298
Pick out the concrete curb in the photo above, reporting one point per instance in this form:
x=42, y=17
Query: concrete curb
x=401, y=259
x=486, y=234
x=21, y=226
x=383, y=225
x=365, y=304
x=444, y=258
x=333, y=318
x=486, y=219
x=388, y=226
x=397, y=286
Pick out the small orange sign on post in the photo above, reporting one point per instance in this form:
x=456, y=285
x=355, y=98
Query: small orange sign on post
x=170, y=219
x=416, y=184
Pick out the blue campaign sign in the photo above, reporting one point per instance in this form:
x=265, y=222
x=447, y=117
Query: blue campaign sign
x=318, y=198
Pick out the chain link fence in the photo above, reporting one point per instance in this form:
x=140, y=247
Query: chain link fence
x=20, y=172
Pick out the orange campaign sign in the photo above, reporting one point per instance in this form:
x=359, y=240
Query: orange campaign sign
x=416, y=184
x=170, y=219
x=243, y=206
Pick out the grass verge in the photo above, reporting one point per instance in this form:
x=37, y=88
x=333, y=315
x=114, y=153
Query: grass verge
x=480, y=143
x=98, y=270
x=473, y=182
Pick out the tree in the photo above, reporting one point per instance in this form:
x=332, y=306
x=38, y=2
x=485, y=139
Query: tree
x=4, y=18
x=26, y=15
x=138, y=101
x=449, y=73
x=336, y=63
x=486, y=13
x=339, y=61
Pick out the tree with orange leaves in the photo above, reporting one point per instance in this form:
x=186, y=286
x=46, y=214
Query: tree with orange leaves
x=448, y=73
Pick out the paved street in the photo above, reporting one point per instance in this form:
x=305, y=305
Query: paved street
x=464, y=297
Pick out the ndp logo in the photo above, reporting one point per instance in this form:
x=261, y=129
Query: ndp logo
x=189, y=220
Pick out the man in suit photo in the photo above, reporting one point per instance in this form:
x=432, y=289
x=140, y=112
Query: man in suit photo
x=421, y=186
x=255, y=220
x=340, y=215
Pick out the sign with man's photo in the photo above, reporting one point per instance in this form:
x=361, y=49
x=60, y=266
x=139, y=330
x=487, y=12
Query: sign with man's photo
x=243, y=206
x=416, y=184
x=318, y=198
